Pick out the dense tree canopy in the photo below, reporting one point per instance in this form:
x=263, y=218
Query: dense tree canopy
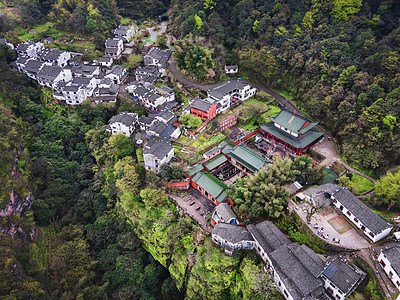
x=339, y=60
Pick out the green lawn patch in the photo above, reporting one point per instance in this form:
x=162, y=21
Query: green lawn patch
x=361, y=184
x=24, y=35
x=125, y=21
x=139, y=154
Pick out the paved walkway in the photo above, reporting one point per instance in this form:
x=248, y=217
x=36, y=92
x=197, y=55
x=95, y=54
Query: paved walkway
x=154, y=34
x=328, y=149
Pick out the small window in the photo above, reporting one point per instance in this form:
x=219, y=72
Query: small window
x=286, y=294
x=356, y=220
x=279, y=283
x=371, y=234
x=382, y=263
x=398, y=283
x=348, y=213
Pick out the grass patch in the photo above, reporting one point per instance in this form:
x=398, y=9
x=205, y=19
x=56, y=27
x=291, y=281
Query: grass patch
x=361, y=184
x=139, y=155
x=125, y=21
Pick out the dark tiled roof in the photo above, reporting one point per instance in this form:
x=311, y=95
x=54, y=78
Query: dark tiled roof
x=71, y=88
x=166, y=89
x=145, y=120
x=22, y=60
x=51, y=54
x=166, y=115
x=125, y=118
x=81, y=81
x=298, y=267
x=158, y=127
x=226, y=88
x=293, y=122
x=33, y=66
x=232, y=233
x=117, y=70
x=112, y=42
x=158, y=54
x=268, y=236
x=168, y=131
x=226, y=212
x=160, y=148
x=298, y=142
x=202, y=105
x=147, y=70
x=342, y=275
x=374, y=222
x=111, y=50
x=49, y=72
x=392, y=253
x=105, y=59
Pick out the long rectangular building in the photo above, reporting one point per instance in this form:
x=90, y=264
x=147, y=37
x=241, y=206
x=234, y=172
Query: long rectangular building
x=372, y=225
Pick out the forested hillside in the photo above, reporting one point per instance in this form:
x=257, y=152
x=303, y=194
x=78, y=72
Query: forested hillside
x=339, y=61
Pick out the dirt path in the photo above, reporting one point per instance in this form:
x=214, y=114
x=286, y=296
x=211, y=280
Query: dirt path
x=328, y=149
x=365, y=254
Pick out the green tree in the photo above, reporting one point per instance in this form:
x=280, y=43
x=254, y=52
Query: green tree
x=128, y=180
x=255, y=26
x=199, y=23
x=307, y=172
x=308, y=20
x=134, y=61
x=189, y=119
x=153, y=198
x=209, y=4
x=388, y=188
x=343, y=9
x=120, y=145
x=264, y=192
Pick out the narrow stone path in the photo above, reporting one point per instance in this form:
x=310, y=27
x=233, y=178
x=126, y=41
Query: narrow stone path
x=365, y=254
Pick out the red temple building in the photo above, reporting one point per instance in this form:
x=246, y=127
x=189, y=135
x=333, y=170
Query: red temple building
x=204, y=109
x=292, y=131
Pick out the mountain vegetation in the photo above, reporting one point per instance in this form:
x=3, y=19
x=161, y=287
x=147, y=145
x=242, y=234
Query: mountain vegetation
x=338, y=60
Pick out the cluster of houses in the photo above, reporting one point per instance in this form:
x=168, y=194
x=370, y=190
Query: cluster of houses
x=221, y=98
x=157, y=130
x=143, y=89
x=123, y=34
x=298, y=272
x=72, y=82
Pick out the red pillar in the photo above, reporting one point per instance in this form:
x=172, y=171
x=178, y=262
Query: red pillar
x=285, y=145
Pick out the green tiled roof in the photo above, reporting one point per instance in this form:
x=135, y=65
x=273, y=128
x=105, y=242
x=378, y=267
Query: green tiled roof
x=293, y=122
x=330, y=176
x=215, y=162
x=211, y=185
x=246, y=157
x=297, y=142
x=195, y=170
